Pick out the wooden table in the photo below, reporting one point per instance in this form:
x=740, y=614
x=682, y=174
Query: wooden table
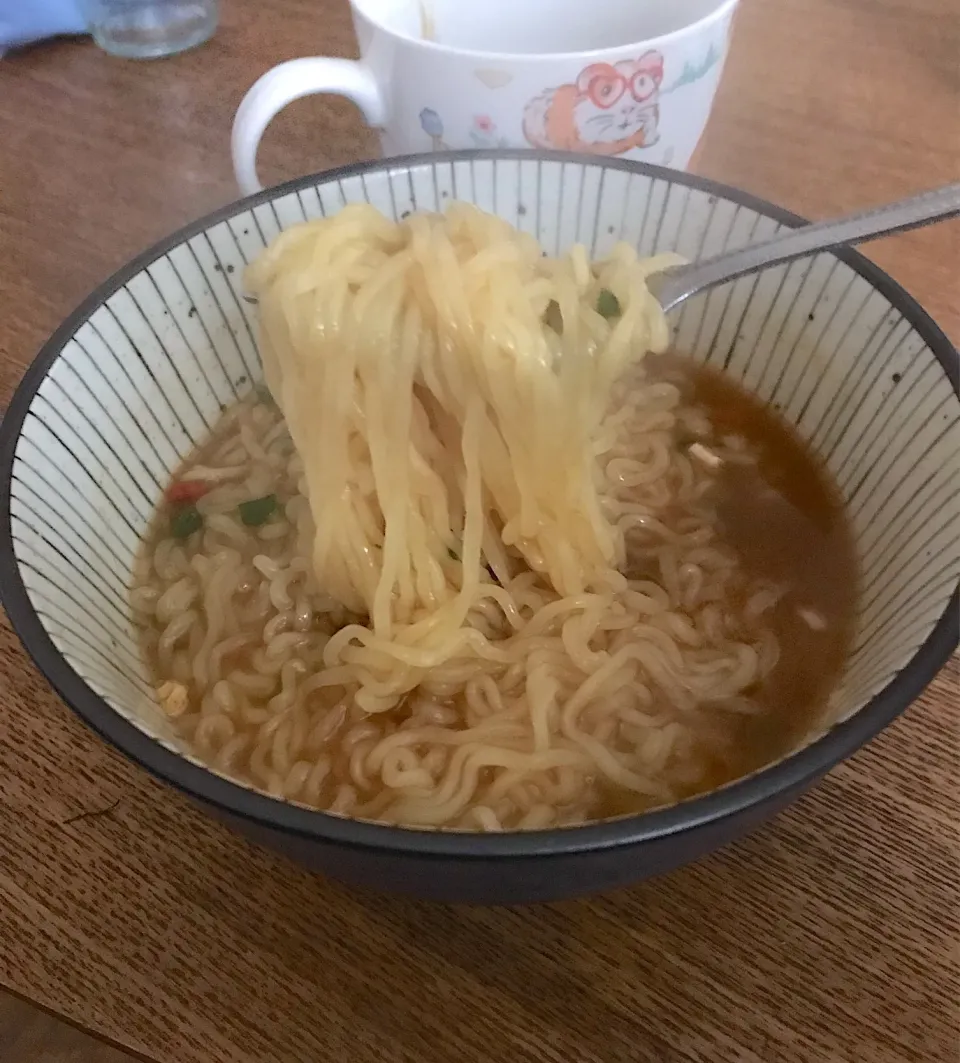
x=832, y=934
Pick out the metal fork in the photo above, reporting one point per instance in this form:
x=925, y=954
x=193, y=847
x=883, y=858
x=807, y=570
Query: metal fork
x=677, y=283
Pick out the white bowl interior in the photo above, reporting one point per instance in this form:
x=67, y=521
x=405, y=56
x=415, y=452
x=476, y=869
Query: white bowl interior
x=145, y=377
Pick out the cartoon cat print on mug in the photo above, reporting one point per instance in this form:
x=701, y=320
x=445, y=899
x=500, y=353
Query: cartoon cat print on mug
x=603, y=77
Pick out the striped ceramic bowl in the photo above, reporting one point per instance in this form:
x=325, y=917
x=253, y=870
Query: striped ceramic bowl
x=140, y=372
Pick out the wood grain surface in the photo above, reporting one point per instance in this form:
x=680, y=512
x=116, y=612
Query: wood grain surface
x=28, y=1035
x=832, y=934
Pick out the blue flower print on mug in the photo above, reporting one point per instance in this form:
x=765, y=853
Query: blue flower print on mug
x=431, y=124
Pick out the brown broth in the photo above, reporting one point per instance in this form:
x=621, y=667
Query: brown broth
x=785, y=518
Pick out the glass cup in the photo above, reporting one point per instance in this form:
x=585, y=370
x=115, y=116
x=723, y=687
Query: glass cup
x=149, y=29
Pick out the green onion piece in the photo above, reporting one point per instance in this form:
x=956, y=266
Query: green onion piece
x=185, y=521
x=608, y=305
x=258, y=510
x=552, y=317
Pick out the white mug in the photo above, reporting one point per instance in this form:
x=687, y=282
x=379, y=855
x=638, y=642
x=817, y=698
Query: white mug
x=634, y=78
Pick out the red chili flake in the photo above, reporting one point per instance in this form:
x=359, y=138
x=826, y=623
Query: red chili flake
x=187, y=491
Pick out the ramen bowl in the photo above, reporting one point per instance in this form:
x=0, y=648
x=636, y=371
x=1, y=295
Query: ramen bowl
x=138, y=374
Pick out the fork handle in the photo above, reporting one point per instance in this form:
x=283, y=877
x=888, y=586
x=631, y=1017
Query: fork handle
x=680, y=282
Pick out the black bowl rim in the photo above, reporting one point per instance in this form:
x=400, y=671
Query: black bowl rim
x=795, y=771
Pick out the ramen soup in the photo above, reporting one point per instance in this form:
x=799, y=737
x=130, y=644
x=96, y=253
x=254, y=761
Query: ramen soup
x=525, y=579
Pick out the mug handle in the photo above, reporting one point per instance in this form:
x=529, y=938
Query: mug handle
x=286, y=83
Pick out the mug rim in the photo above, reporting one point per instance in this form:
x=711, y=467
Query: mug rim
x=203, y=784
x=720, y=11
